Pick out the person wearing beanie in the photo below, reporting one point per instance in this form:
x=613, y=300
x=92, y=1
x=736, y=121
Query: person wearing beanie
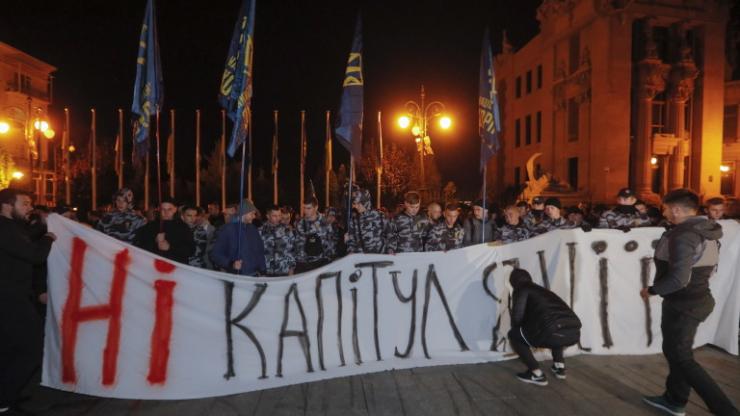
x=475, y=231
x=168, y=236
x=624, y=216
x=554, y=219
x=122, y=222
x=239, y=248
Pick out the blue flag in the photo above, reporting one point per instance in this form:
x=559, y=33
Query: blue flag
x=235, y=95
x=148, y=89
x=489, y=123
x=349, y=124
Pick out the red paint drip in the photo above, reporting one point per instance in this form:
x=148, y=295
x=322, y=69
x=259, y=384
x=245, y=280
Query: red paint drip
x=163, y=266
x=162, y=332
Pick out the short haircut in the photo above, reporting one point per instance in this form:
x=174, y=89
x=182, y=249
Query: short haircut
x=190, y=208
x=715, y=201
x=272, y=208
x=433, y=203
x=412, y=198
x=682, y=197
x=311, y=200
x=522, y=204
x=514, y=206
x=9, y=195
x=452, y=206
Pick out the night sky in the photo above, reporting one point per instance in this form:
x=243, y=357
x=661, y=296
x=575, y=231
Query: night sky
x=301, y=49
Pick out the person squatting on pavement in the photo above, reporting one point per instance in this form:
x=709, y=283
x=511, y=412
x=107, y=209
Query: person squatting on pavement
x=685, y=258
x=540, y=319
x=279, y=242
x=316, y=243
x=122, y=222
x=408, y=228
x=21, y=327
x=239, y=248
x=368, y=228
x=168, y=237
x=447, y=234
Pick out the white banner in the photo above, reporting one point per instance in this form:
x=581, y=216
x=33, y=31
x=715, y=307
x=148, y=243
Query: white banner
x=127, y=324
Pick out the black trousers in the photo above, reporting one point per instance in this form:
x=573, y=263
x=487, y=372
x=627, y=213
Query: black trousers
x=21, y=346
x=520, y=345
x=679, y=328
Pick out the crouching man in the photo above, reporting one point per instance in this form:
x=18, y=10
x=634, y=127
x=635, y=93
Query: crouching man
x=540, y=319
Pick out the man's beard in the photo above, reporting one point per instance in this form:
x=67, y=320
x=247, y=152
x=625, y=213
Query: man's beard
x=18, y=217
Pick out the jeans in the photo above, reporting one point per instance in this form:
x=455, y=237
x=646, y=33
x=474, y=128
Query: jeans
x=20, y=346
x=522, y=347
x=679, y=325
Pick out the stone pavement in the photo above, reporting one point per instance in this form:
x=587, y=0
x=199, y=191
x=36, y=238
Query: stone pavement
x=596, y=385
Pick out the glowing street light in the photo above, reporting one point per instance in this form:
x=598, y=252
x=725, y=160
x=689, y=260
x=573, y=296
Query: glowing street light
x=17, y=175
x=724, y=168
x=653, y=160
x=71, y=148
x=445, y=122
x=41, y=125
x=4, y=127
x=404, y=122
x=49, y=133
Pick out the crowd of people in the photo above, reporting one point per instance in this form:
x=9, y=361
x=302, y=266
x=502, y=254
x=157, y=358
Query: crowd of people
x=277, y=241
x=240, y=239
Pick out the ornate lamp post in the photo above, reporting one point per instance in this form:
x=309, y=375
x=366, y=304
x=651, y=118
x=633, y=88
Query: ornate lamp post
x=418, y=116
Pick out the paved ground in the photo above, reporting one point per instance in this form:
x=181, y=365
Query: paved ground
x=596, y=385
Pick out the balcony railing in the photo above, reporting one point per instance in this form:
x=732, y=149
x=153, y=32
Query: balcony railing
x=14, y=86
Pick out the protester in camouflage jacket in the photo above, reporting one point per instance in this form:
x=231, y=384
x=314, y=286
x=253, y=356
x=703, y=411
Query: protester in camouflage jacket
x=122, y=222
x=315, y=239
x=203, y=234
x=476, y=231
x=447, y=234
x=408, y=229
x=368, y=228
x=624, y=215
x=553, y=218
x=279, y=241
x=514, y=229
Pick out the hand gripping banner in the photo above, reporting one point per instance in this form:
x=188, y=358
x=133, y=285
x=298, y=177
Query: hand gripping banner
x=125, y=323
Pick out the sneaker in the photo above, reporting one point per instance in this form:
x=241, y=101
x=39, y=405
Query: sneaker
x=660, y=402
x=530, y=377
x=559, y=372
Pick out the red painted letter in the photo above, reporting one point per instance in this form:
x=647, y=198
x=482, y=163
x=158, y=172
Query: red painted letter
x=162, y=325
x=74, y=313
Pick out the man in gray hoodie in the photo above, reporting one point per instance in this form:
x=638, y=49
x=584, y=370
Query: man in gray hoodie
x=685, y=258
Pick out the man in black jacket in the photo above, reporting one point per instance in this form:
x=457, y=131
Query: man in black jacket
x=169, y=237
x=539, y=318
x=685, y=258
x=20, y=325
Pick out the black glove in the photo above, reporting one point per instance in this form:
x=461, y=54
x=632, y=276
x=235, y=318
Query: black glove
x=586, y=227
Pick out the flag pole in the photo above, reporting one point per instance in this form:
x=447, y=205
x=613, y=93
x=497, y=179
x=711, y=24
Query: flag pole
x=94, y=165
x=329, y=161
x=303, y=159
x=65, y=150
x=349, y=189
x=146, y=179
x=171, y=154
x=223, y=159
x=379, y=170
x=483, y=232
x=241, y=194
x=275, y=162
x=249, y=155
x=159, y=171
x=119, y=156
x=197, y=158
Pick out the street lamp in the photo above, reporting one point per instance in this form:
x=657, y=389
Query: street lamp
x=4, y=127
x=17, y=175
x=419, y=115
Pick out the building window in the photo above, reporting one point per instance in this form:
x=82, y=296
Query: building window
x=538, y=129
x=729, y=127
x=529, y=82
x=573, y=172
x=518, y=87
x=572, y=120
x=687, y=112
x=659, y=114
x=539, y=77
x=517, y=176
x=727, y=181
x=518, y=133
x=528, y=129
x=574, y=55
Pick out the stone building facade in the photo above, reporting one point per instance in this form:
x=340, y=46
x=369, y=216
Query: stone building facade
x=615, y=93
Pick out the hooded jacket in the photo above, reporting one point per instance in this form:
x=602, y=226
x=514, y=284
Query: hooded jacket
x=685, y=258
x=539, y=312
x=18, y=255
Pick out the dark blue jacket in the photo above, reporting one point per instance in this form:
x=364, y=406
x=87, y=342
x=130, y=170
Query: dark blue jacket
x=251, y=250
